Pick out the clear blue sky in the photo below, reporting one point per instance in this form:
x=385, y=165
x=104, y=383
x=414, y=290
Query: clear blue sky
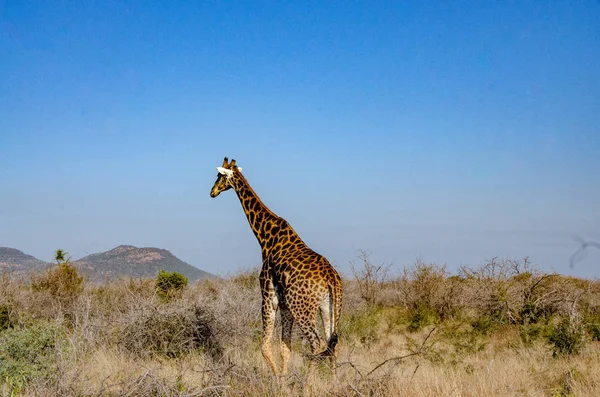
x=448, y=131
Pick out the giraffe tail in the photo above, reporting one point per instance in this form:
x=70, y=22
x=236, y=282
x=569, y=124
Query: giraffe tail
x=330, y=350
x=334, y=316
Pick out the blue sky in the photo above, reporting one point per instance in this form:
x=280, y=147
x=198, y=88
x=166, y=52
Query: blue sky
x=453, y=132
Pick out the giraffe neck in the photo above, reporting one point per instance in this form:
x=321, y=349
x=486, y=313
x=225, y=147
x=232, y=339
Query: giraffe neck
x=257, y=213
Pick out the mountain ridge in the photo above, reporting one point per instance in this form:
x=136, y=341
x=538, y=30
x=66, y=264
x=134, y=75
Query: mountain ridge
x=12, y=259
x=121, y=261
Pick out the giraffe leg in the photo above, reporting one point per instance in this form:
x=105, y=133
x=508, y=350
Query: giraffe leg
x=308, y=328
x=307, y=322
x=269, y=309
x=287, y=324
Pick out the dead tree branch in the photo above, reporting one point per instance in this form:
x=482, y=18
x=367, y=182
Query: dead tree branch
x=400, y=358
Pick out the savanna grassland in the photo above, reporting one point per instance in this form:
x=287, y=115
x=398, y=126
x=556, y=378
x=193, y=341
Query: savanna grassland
x=499, y=329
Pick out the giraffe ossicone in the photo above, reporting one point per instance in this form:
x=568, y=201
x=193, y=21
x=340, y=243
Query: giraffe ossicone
x=225, y=171
x=294, y=279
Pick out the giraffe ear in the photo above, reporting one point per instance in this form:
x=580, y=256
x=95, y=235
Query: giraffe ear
x=224, y=171
x=239, y=169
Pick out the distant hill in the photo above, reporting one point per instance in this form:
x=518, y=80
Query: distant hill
x=130, y=261
x=13, y=260
x=122, y=261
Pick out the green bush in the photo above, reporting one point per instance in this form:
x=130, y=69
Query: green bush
x=592, y=321
x=463, y=340
x=5, y=322
x=169, y=284
x=28, y=353
x=483, y=325
x=421, y=317
x=594, y=331
x=361, y=326
x=567, y=337
x=530, y=313
x=529, y=333
x=62, y=281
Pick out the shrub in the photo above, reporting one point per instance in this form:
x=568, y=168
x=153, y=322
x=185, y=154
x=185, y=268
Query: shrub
x=426, y=286
x=530, y=313
x=420, y=317
x=594, y=331
x=592, y=320
x=361, y=326
x=62, y=281
x=567, y=337
x=483, y=325
x=529, y=333
x=490, y=291
x=5, y=322
x=170, y=330
x=465, y=340
x=370, y=278
x=28, y=353
x=247, y=279
x=542, y=296
x=237, y=307
x=169, y=285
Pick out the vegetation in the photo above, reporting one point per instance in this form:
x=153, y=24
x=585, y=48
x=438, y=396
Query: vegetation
x=502, y=329
x=62, y=282
x=567, y=337
x=27, y=354
x=170, y=284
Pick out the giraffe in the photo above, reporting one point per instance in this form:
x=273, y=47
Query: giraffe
x=294, y=279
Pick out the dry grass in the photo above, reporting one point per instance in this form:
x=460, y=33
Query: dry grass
x=422, y=333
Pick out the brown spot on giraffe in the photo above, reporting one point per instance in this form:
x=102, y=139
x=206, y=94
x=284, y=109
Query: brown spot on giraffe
x=294, y=279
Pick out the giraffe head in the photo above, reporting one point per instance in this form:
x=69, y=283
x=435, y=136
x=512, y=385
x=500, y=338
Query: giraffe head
x=224, y=177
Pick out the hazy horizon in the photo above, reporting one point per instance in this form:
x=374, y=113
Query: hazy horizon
x=450, y=132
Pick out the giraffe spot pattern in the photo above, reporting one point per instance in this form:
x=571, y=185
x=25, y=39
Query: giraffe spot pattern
x=294, y=278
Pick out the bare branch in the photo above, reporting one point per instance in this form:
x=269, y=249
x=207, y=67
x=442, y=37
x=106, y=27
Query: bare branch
x=200, y=392
x=400, y=358
x=355, y=390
